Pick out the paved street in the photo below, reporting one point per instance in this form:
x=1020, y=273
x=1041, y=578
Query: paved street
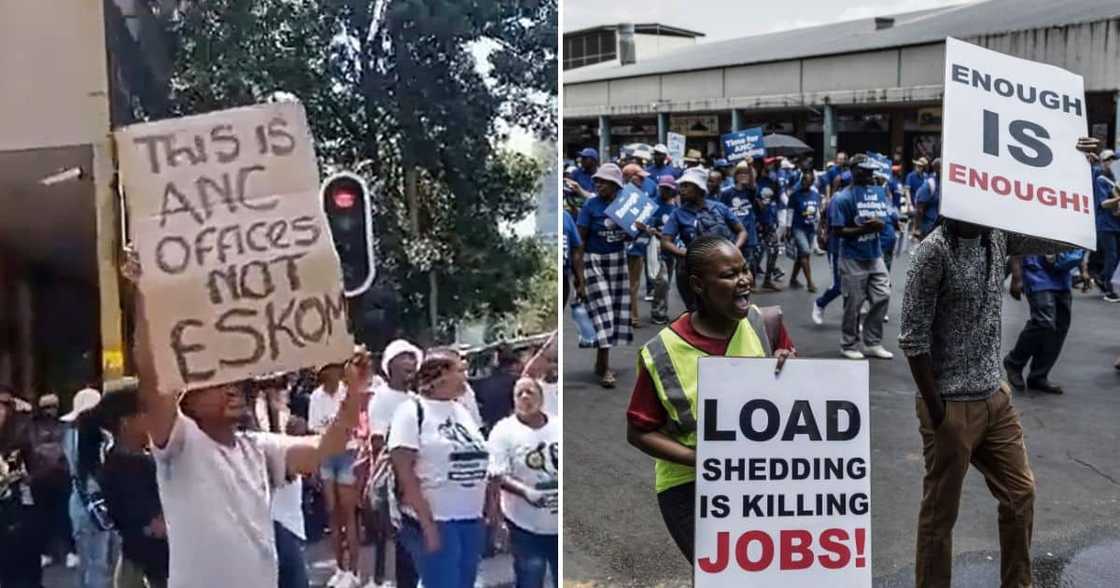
x=613, y=533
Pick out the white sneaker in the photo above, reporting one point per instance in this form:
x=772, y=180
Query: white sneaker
x=851, y=354
x=886, y=319
x=72, y=560
x=818, y=314
x=45, y=561
x=878, y=352
x=335, y=580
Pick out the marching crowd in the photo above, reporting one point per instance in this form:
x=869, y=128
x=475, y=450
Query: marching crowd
x=862, y=211
x=225, y=485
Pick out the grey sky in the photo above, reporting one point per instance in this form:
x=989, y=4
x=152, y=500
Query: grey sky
x=726, y=19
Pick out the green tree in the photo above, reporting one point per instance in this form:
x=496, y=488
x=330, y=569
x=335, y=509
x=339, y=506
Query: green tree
x=394, y=89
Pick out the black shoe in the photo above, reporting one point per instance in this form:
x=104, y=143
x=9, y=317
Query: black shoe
x=1112, y=297
x=1014, y=375
x=1045, y=386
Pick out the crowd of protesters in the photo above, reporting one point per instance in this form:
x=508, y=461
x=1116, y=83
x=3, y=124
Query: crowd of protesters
x=861, y=211
x=225, y=485
x=721, y=228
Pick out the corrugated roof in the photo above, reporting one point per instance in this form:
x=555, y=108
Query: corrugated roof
x=650, y=28
x=912, y=28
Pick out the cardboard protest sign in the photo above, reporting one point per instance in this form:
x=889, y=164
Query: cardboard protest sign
x=676, y=143
x=742, y=144
x=1008, y=158
x=783, y=480
x=630, y=207
x=239, y=275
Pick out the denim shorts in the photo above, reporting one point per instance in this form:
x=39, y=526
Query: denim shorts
x=803, y=241
x=339, y=468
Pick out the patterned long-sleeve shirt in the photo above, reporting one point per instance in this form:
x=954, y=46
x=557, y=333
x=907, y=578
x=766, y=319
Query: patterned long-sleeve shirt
x=951, y=309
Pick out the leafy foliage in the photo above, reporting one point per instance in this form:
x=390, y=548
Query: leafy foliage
x=393, y=88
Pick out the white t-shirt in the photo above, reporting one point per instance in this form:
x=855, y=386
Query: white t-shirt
x=287, y=507
x=451, y=458
x=382, y=406
x=323, y=407
x=217, y=504
x=532, y=457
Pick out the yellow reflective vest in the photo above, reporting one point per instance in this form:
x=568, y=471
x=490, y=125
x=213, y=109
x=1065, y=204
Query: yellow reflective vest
x=672, y=364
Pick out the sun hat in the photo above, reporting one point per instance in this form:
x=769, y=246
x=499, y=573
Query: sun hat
x=661, y=148
x=609, y=172
x=667, y=182
x=633, y=168
x=397, y=348
x=84, y=400
x=696, y=176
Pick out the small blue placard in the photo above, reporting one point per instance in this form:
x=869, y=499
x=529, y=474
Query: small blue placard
x=630, y=207
x=741, y=144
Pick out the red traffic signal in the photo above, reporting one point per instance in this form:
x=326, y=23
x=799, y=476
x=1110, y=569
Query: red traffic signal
x=346, y=202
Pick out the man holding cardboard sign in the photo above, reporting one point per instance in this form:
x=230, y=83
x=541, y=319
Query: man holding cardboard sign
x=951, y=311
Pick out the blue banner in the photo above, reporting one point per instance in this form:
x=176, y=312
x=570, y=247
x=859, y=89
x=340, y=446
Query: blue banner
x=630, y=207
x=741, y=144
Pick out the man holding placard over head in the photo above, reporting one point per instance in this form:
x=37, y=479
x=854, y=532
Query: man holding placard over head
x=239, y=278
x=951, y=311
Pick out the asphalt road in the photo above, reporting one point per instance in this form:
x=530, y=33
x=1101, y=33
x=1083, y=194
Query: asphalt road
x=614, y=536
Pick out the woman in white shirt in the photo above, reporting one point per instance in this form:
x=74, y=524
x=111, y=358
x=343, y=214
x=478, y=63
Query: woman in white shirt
x=440, y=460
x=339, y=481
x=525, y=460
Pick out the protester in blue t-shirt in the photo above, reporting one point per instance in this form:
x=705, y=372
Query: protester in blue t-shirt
x=1048, y=282
x=605, y=285
x=667, y=203
x=805, y=204
x=584, y=175
x=927, y=202
x=916, y=177
x=889, y=236
x=838, y=176
x=740, y=199
x=573, y=255
x=858, y=217
x=1105, y=195
x=635, y=175
x=696, y=216
x=768, y=206
x=661, y=165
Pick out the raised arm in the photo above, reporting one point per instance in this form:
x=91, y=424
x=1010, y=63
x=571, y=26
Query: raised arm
x=161, y=409
x=305, y=457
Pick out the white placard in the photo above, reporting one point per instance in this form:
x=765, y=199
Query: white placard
x=1008, y=157
x=676, y=143
x=783, y=477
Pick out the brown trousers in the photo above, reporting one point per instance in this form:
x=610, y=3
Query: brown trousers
x=987, y=434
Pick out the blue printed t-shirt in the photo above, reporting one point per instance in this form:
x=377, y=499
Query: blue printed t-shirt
x=711, y=218
x=571, y=239
x=656, y=172
x=854, y=206
x=741, y=204
x=888, y=235
x=929, y=195
x=1106, y=221
x=894, y=188
x=604, y=235
x=584, y=179
x=914, y=180
x=1040, y=276
x=806, y=205
x=768, y=212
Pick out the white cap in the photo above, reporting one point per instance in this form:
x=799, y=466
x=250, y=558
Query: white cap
x=661, y=148
x=1108, y=154
x=395, y=349
x=84, y=400
x=697, y=176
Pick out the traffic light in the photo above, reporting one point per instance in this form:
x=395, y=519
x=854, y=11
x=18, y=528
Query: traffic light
x=347, y=206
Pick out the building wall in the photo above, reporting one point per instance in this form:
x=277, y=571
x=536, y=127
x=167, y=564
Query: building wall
x=648, y=46
x=891, y=76
x=52, y=56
